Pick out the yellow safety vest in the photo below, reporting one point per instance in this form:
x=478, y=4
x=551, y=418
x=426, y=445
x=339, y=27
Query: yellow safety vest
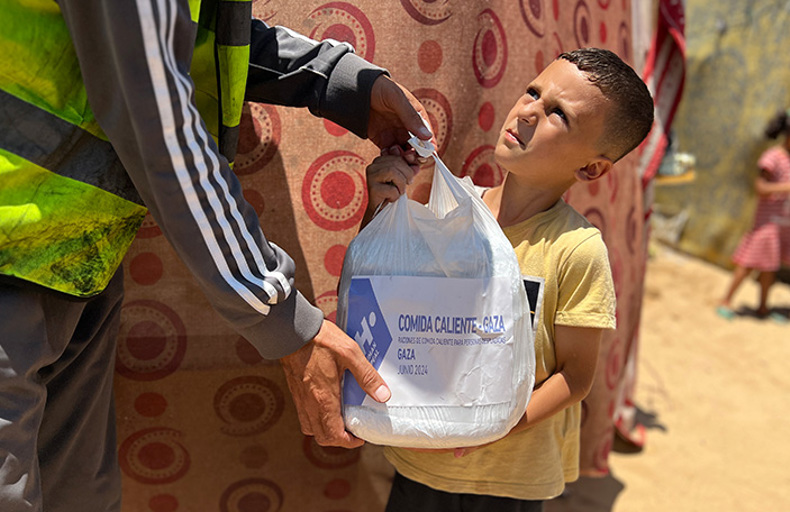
x=65, y=230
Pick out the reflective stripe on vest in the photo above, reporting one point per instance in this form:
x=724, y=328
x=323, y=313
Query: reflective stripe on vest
x=68, y=214
x=227, y=24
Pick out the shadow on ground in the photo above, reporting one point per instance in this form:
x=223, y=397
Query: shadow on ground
x=598, y=494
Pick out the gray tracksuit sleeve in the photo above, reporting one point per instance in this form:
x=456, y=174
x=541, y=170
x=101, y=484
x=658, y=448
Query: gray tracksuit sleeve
x=328, y=78
x=134, y=57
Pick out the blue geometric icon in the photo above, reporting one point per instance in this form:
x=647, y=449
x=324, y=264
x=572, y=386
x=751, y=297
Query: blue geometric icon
x=367, y=326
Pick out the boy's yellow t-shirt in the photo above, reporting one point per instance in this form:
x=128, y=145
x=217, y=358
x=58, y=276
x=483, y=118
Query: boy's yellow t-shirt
x=565, y=267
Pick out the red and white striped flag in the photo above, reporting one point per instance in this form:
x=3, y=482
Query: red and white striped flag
x=665, y=71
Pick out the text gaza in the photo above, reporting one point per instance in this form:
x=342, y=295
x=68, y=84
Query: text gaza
x=406, y=353
x=492, y=324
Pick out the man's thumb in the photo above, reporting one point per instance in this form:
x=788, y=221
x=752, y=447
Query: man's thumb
x=369, y=379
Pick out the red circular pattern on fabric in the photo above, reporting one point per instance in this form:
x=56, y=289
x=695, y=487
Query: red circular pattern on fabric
x=602, y=32
x=555, y=5
x=146, y=268
x=150, y=405
x=614, y=186
x=489, y=58
x=337, y=489
x=333, y=259
x=596, y=218
x=255, y=199
x=152, y=341
x=482, y=168
x=614, y=364
x=248, y=405
x=345, y=23
x=534, y=15
x=427, y=12
x=264, y=10
x=327, y=303
x=149, y=228
x=558, y=48
x=154, y=456
x=440, y=115
x=602, y=453
x=604, y=4
x=581, y=24
x=254, y=457
x=337, y=188
x=625, y=42
x=539, y=62
x=334, y=129
x=486, y=116
x=252, y=495
x=246, y=352
x=429, y=56
x=328, y=457
x=631, y=231
x=616, y=264
x=163, y=503
x=259, y=138
x=335, y=203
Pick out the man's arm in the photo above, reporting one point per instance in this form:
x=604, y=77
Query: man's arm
x=327, y=77
x=134, y=60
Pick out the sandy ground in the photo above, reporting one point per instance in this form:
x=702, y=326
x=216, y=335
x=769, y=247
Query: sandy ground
x=713, y=394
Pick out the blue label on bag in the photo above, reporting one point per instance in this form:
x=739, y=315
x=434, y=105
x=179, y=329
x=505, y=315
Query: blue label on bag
x=367, y=326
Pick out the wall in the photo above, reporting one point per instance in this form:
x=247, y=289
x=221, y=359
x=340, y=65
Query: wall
x=737, y=77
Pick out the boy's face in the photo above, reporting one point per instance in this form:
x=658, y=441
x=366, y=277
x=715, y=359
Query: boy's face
x=554, y=129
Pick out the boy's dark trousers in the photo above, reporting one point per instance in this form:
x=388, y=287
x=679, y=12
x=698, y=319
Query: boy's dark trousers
x=410, y=496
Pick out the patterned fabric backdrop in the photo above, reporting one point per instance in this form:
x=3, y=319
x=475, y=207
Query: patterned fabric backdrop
x=206, y=424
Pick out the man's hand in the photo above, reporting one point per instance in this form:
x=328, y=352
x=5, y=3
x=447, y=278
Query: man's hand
x=314, y=373
x=394, y=112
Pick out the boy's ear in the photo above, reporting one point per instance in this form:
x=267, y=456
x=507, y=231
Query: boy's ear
x=594, y=170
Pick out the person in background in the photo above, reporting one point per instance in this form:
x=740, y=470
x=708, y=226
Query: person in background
x=767, y=245
x=583, y=113
x=112, y=109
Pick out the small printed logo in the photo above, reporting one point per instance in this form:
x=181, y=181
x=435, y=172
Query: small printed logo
x=367, y=326
x=534, y=287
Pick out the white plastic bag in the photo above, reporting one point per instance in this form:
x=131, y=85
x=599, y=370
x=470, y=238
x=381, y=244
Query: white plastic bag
x=434, y=297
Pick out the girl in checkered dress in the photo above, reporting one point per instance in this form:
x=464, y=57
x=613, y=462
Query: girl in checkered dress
x=767, y=246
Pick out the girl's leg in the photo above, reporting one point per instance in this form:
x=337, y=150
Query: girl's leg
x=766, y=279
x=738, y=275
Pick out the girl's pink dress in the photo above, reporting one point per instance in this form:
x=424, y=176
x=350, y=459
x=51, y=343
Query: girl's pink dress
x=767, y=245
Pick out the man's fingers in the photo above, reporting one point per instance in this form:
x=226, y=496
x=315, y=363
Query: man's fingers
x=366, y=376
x=412, y=113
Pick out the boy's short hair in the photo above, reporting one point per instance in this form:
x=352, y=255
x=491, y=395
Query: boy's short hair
x=631, y=113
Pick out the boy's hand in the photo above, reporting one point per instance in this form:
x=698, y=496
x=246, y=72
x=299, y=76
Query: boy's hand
x=388, y=175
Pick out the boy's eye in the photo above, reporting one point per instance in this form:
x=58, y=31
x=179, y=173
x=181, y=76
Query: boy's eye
x=560, y=113
x=532, y=93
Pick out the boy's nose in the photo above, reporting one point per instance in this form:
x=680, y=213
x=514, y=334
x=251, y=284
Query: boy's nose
x=528, y=113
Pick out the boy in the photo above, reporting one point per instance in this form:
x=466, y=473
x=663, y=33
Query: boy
x=584, y=112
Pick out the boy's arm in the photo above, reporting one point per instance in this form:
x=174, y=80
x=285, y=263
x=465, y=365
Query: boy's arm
x=576, y=350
